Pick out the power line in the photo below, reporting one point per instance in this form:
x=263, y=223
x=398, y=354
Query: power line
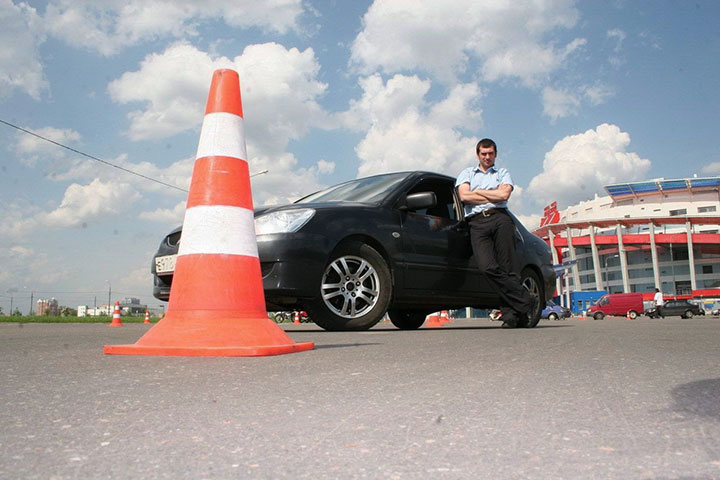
x=91, y=156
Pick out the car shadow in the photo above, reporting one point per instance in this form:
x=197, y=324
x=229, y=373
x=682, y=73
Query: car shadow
x=698, y=398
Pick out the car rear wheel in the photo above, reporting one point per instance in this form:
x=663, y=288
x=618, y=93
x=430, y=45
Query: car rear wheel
x=354, y=290
x=407, y=319
x=553, y=316
x=689, y=314
x=531, y=282
x=633, y=314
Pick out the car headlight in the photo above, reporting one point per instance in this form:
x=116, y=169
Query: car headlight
x=285, y=221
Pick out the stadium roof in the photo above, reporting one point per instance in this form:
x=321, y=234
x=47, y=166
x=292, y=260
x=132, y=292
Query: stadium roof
x=635, y=189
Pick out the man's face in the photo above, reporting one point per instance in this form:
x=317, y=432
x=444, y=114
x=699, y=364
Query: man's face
x=486, y=157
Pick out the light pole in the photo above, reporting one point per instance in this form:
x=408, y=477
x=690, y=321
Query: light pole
x=607, y=280
x=109, y=293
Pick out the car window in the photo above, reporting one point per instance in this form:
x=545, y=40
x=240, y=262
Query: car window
x=367, y=190
x=444, y=191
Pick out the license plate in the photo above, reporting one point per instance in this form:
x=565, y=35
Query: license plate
x=165, y=265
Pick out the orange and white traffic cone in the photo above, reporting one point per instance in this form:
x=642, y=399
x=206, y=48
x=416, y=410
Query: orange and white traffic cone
x=116, y=322
x=296, y=319
x=217, y=303
x=444, y=318
x=147, y=317
x=433, y=321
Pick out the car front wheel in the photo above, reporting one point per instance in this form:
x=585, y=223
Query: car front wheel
x=553, y=316
x=354, y=290
x=689, y=314
x=407, y=319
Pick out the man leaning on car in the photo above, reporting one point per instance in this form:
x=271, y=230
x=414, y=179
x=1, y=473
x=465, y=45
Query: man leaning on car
x=484, y=191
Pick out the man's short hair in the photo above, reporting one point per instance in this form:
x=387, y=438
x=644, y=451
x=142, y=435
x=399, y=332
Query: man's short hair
x=485, y=143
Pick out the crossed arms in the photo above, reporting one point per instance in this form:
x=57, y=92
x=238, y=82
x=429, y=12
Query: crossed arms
x=473, y=197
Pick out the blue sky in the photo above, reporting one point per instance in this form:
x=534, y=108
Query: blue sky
x=577, y=94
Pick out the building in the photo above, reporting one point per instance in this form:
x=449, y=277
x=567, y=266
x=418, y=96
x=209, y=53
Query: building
x=48, y=307
x=654, y=234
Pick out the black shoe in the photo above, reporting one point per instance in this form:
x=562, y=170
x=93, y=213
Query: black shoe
x=509, y=320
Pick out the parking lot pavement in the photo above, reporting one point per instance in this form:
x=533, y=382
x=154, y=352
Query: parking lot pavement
x=571, y=399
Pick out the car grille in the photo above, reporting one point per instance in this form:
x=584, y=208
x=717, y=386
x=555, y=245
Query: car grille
x=173, y=239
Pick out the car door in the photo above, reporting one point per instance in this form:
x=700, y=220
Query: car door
x=436, y=244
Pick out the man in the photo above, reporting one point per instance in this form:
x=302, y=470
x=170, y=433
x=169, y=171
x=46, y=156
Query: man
x=658, y=298
x=484, y=191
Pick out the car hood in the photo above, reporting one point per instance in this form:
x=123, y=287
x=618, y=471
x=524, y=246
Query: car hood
x=317, y=206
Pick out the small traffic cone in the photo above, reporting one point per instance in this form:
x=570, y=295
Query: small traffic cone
x=433, y=321
x=296, y=319
x=217, y=303
x=147, y=317
x=444, y=317
x=116, y=322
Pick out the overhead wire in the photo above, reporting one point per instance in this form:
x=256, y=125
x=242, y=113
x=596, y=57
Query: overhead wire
x=92, y=157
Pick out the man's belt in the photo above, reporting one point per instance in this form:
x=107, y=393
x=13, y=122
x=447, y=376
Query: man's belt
x=488, y=212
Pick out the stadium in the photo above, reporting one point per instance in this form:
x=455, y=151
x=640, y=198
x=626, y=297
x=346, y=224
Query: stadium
x=652, y=234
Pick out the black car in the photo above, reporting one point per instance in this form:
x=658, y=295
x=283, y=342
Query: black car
x=680, y=307
x=394, y=243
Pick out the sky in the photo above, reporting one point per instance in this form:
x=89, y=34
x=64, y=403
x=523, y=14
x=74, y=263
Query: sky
x=577, y=95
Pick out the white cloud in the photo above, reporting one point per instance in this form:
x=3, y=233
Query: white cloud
x=558, y=103
x=34, y=150
x=711, y=169
x=20, y=36
x=107, y=26
x=511, y=39
x=279, y=87
x=166, y=215
x=578, y=166
x=95, y=202
x=406, y=132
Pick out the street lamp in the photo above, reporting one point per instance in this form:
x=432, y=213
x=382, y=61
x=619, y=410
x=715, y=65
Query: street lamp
x=109, y=293
x=607, y=280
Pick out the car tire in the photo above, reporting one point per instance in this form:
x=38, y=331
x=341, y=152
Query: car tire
x=353, y=267
x=599, y=316
x=407, y=319
x=531, y=282
x=633, y=314
x=689, y=314
x=553, y=316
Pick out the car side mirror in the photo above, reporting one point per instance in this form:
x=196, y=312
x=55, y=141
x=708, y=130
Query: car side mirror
x=416, y=201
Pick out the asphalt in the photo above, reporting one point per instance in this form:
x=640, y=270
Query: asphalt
x=612, y=399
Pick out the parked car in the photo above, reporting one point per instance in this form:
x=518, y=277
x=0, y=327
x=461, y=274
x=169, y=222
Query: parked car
x=680, y=307
x=394, y=243
x=553, y=311
x=620, y=304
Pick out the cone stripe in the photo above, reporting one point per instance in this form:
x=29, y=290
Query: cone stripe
x=218, y=229
x=217, y=181
x=195, y=289
x=223, y=135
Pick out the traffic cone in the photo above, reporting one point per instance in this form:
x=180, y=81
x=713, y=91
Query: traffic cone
x=116, y=322
x=433, y=321
x=147, y=317
x=217, y=303
x=444, y=317
x=296, y=320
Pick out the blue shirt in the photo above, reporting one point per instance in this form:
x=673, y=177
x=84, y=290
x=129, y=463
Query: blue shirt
x=489, y=180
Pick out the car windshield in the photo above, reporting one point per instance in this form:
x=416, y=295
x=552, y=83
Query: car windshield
x=366, y=190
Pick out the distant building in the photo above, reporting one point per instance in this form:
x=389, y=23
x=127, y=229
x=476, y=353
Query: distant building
x=644, y=235
x=48, y=307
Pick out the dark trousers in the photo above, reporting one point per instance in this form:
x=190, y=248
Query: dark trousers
x=493, y=244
